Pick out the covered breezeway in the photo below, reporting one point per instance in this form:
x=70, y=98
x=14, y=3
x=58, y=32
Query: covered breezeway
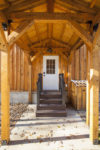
x=49, y=28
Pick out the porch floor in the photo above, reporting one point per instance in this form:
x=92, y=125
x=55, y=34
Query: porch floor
x=68, y=133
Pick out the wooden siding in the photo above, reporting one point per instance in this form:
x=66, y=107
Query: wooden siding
x=19, y=68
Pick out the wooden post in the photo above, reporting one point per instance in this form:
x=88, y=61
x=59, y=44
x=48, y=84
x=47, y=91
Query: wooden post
x=88, y=90
x=30, y=82
x=94, y=94
x=5, y=96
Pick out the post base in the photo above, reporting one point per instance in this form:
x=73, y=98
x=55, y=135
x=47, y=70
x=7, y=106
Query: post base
x=96, y=142
x=4, y=142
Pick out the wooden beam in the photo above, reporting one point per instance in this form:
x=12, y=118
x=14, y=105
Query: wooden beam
x=92, y=3
x=3, y=40
x=82, y=18
x=76, y=44
x=21, y=29
x=97, y=37
x=76, y=6
x=50, y=5
x=50, y=9
x=3, y=17
x=94, y=89
x=61, y=43
x=32, y=58
x=37, y=43
x=50, y=33
x=82, y=33
x=24, y=5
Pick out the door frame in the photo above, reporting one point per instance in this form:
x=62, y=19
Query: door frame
x=56, y=57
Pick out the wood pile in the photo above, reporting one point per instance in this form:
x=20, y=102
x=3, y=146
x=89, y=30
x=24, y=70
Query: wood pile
x=78, y=94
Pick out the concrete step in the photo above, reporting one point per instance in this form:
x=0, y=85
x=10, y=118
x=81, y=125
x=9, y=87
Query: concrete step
x=51, y=113
x=51, y=107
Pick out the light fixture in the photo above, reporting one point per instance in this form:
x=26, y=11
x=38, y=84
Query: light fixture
x=49, y=50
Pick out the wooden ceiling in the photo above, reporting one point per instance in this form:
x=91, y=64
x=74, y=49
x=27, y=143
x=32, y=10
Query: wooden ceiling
x=42, y=24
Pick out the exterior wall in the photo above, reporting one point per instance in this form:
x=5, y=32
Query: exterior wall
x=79, y=64
x=19, y=69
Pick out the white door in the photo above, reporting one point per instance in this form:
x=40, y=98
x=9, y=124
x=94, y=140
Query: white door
x=50, y=73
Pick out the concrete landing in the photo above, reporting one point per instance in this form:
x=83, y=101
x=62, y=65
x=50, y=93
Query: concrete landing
x=68, y=133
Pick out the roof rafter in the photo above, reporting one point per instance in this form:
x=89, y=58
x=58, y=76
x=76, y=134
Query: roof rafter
x=92, y=3
x=24, y=5
x=77, y=5
x=21, y=29
x=82, y=33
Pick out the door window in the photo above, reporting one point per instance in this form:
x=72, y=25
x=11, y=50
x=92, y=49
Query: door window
x=50, y=66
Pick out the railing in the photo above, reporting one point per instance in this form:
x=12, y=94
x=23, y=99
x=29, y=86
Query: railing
x=62, y=87
x=39, y=87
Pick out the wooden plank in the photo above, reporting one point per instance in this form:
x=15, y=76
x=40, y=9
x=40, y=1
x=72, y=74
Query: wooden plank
x=77, y=65
x=30, y=83
x=79, y=98
x=5, y=98
x=82, y=63
x=26, y=72
x=11, y=69
x=0, y=71
x=22, y=70
x=18, y=68
x=14, y=68
x=88, y=90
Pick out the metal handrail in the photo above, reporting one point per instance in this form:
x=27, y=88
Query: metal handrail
x=39, y=87
x=62, y=87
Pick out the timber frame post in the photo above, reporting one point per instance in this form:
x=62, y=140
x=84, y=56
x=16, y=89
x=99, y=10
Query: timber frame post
x=5, y=99
x=94, y=89
x=5, y=90
x=88, y=90
x=30, y=81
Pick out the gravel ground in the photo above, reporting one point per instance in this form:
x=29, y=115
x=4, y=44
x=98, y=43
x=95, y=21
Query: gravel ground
x=16, y=110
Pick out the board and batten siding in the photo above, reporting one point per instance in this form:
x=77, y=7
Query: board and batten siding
x=19, y=68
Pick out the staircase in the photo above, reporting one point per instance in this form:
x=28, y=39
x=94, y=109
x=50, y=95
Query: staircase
x=50, y=105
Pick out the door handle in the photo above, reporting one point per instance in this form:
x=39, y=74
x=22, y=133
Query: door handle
x=44, y=74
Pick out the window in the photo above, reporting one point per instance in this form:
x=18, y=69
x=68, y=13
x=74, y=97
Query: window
x=50, y=66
